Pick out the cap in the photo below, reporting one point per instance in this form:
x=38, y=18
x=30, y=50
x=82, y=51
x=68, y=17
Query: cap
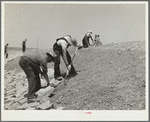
x=74, y=41
x=51, y=56
x=90, y=31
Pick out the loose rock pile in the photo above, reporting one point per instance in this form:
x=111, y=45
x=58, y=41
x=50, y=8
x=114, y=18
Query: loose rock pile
x=16, y=86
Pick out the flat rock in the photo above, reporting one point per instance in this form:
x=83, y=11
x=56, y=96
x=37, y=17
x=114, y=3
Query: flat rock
x=8, y=104
x=20, y=94
x=11, y=99
x=45, y=92
x=55, y=82
x=23, y=89
x=10, y=87
x=20, y=98
x=30, y=109
x=60, y=108
x=14, y=106
x=141, y=105
x=44, y=98
x=23, y=101
x=10, y=92
x=45, y=106
x=28, y=105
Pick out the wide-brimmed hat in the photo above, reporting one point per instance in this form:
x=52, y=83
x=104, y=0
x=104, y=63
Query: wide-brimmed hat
x=90, y=31
x=51, y=56
x=74, y=41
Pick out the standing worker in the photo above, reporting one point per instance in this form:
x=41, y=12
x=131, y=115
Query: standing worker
x=34, y=64
x=6, y=52
x=60, y=48
x=24, y=45
x=86, y=38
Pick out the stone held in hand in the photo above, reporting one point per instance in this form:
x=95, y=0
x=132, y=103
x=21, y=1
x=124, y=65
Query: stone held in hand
x=45, y=106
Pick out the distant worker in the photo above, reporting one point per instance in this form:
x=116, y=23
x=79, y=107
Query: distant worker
x=24, y=45
x=97, y=40
x=85, y=40
x=6, y=51
x=34, y=64
x=60, y=48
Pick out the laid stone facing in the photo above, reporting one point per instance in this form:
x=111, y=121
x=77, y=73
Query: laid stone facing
x=46, y=105
x=16, y=86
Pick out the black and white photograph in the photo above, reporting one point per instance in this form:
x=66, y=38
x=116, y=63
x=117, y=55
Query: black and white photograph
x=74, y=60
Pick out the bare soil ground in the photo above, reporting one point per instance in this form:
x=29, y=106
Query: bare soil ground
x=110, y=77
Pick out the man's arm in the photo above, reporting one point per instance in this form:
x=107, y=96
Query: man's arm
x=44, y=74
x=91, y=38
x=65, y=57
x=64, y=48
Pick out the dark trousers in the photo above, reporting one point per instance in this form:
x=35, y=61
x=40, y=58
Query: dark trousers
x=34, y=83
x=85, y=42
x=58, y=50
x=23, y=48
x=6, y=54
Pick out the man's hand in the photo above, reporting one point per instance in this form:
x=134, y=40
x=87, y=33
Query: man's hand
x=69, y=67
x=48, y=84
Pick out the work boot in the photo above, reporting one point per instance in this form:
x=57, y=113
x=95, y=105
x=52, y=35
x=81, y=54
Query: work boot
x=59, y=78
x=26, y=95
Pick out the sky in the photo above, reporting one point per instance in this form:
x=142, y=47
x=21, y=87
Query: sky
x=45, y=22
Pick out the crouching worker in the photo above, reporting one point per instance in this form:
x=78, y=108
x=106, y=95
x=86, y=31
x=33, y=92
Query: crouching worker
x=86, y=41
x=60, y=48
x=34, y=64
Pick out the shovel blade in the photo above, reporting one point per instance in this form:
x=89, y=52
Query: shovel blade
x=64, y=82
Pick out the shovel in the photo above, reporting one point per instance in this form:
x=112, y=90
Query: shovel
x=67, y=73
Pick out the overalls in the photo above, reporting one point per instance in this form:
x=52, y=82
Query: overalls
x=85, y=41
x=58, y=50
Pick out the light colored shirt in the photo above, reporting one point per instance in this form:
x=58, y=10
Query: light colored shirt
x=63, y=43
x=88, y=34
x=38, y=59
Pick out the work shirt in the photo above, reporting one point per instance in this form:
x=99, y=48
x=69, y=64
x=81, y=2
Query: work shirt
x=36, y=60
x=88, y=34
x=64, y=43
x=6, y=46
x=23, y=43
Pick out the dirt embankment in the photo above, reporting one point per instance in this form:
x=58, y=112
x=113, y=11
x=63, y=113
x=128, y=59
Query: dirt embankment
x=110, y=77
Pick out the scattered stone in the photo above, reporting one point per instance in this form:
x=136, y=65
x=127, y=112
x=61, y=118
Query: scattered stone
x=22, y=107
x=28, y=105
x=60, y=108
x=22, y=90
x=45, y=92
x=45, y=106
x=20, y=98
x=23, y=101
x=14, y=106
x=141, y=105
x=78, y=90
x=11, y=99
x=10, y=87
x=119, y=52
x=10, y=92
x=8, y=104
x=55, y=82
x=31, y=109
x=10, y=96
x=44, y=98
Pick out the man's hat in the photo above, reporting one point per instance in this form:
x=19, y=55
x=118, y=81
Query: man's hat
x=90, y=31
x=74, y=42
x=49, y=55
